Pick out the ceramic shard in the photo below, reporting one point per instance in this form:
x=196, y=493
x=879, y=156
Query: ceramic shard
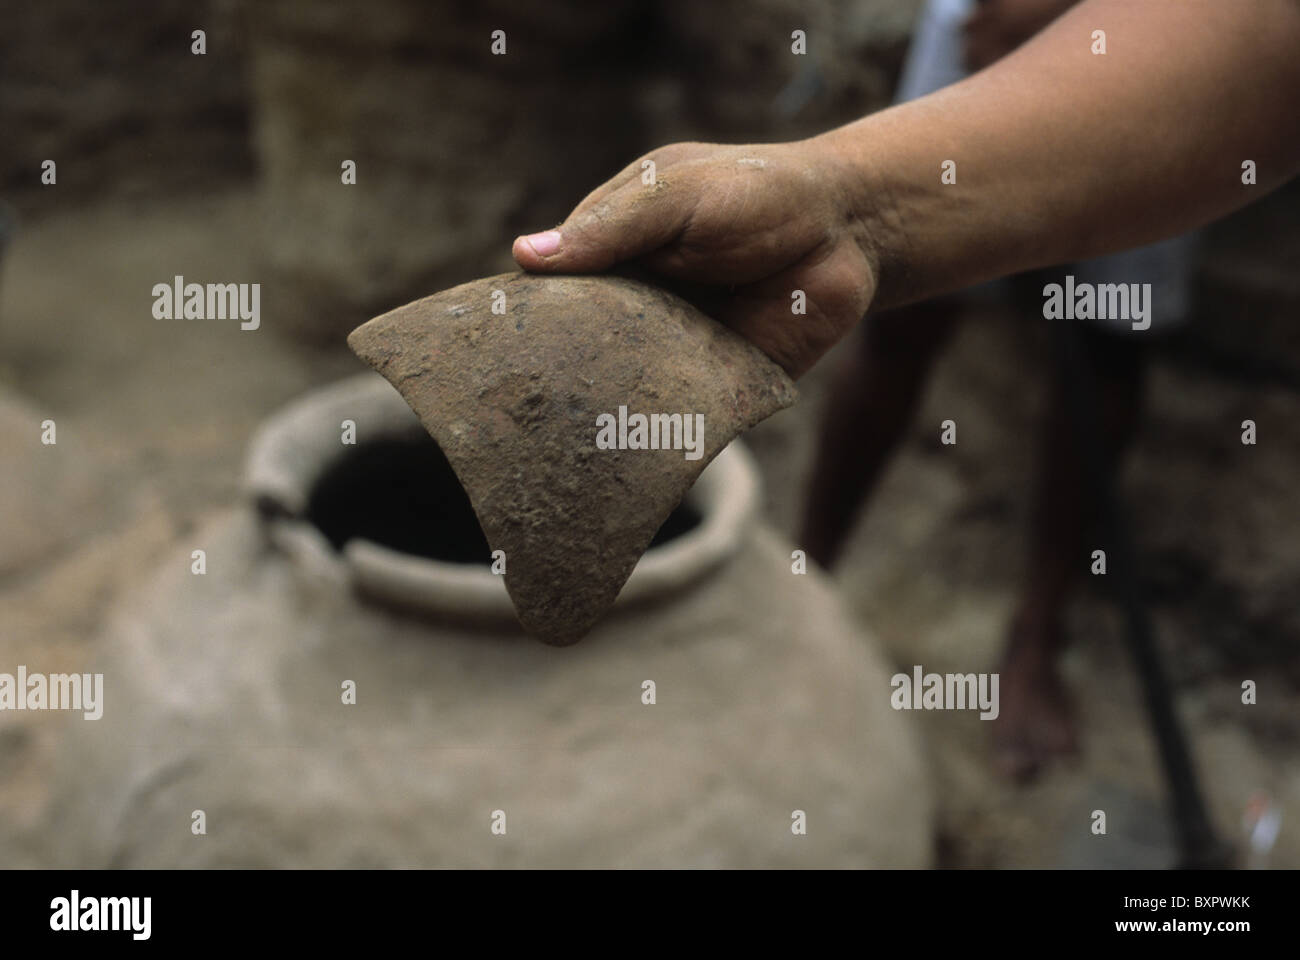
x=517, y=377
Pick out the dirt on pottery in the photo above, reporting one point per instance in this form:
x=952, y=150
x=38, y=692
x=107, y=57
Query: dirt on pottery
x=514, y=375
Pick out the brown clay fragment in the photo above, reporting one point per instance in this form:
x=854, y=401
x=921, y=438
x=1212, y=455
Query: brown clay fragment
x=513, y=398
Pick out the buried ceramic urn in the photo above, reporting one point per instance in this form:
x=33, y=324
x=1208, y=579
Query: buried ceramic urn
x=346, y=685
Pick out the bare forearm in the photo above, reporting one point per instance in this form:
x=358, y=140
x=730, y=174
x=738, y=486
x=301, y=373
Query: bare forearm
x=1063, y=154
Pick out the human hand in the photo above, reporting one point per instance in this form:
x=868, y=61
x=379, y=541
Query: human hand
x=736, y=229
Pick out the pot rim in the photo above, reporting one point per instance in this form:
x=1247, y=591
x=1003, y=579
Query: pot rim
x=299, y=441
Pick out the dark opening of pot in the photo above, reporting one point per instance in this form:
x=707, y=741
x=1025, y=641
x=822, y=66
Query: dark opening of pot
x=401, y=493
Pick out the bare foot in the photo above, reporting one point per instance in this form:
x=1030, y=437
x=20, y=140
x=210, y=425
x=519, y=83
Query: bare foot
x=1035, y=723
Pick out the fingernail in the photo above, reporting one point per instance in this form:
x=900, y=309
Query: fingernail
x=544, y=244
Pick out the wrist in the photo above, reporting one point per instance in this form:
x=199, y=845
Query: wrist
x=872, y=203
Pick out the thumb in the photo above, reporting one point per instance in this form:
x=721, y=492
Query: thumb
x=630, y=223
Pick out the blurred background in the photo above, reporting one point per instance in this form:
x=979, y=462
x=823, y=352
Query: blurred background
x=226, y=166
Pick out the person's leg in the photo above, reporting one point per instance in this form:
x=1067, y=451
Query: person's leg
x=1035, y=722
x=873, y=396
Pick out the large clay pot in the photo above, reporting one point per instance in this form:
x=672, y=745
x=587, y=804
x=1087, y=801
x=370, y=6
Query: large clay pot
x=224, y=692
